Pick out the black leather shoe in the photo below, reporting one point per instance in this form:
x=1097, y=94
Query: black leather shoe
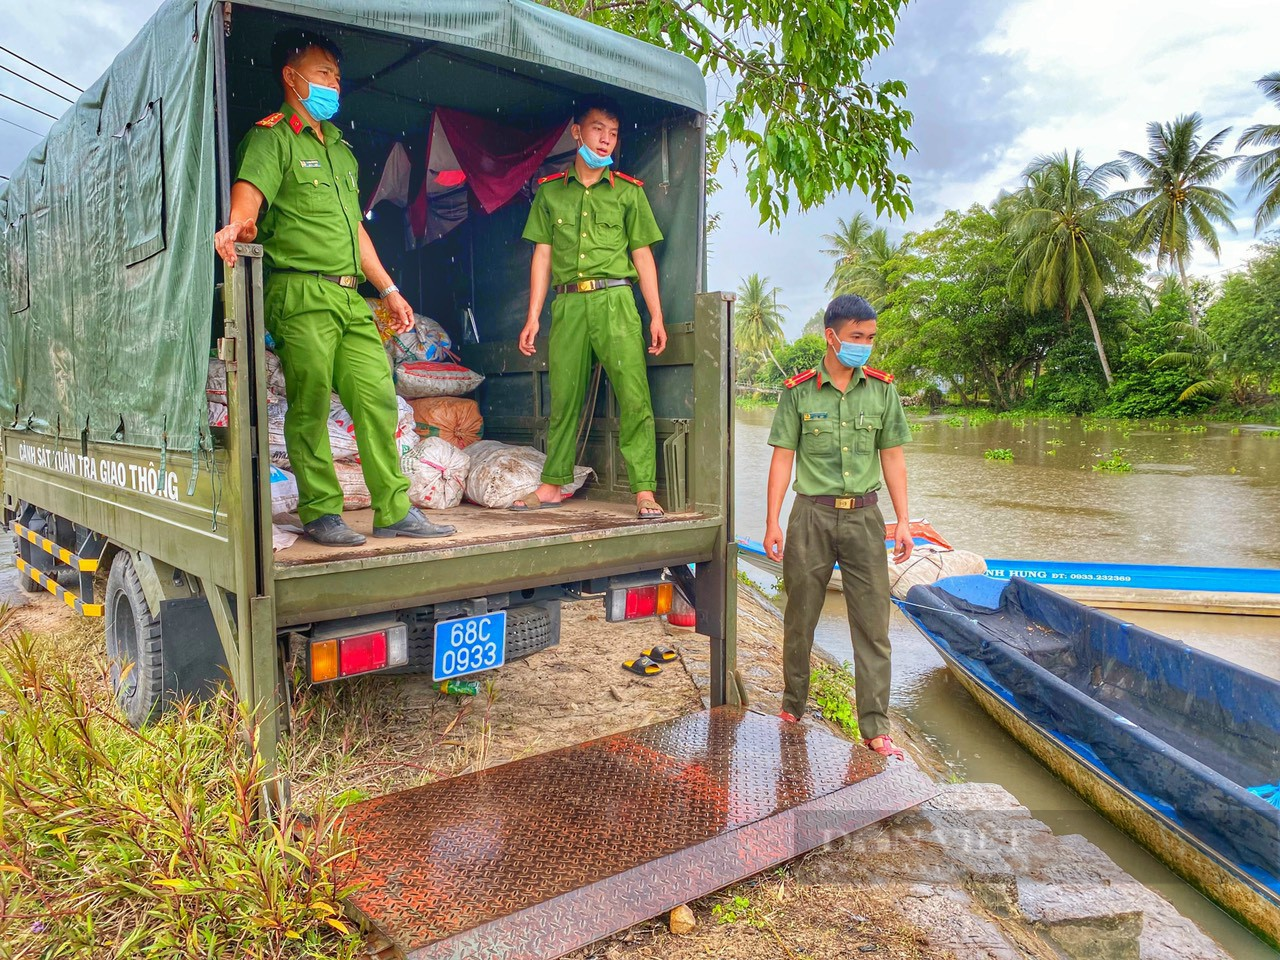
x=332, y=531
x=415, y=525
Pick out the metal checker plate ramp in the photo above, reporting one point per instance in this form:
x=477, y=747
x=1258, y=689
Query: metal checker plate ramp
x=536, y=858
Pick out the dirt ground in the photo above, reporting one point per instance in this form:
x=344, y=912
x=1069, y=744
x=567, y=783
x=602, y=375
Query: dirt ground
x=377, y=735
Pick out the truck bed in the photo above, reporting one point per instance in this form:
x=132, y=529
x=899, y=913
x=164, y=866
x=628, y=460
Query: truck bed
x=493, y=551
x=477, y=526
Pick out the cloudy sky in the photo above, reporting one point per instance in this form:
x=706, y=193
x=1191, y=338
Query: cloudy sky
x=992, y=83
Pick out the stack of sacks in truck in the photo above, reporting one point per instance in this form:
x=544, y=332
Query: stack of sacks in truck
x=428, y=375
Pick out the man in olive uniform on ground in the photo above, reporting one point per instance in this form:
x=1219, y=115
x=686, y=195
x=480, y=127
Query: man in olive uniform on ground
x=840, y=425
x=295, y=165
x=592, y=229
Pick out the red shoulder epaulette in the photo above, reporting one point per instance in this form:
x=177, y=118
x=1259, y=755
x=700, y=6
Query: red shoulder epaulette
x=799, y=378
x=270, y=121
x=554, y=176
x=878, y=374
x=635, y=180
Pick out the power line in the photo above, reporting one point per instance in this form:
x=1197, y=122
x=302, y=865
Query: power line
x=42, y=69
x=20, y=126
x=34, y=84
x=27, y=105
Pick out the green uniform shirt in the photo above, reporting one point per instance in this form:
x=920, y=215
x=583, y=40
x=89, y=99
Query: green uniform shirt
x=837, y=435
x=592, y=230
x=313, y=195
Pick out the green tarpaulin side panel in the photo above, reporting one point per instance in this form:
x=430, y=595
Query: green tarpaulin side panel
x=109, y=281
x=522, y=30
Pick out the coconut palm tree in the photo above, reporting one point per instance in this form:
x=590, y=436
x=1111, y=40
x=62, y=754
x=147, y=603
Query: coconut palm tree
x=1264, y=168
x=1069, y=234
x=871, y=276
x=846, y=248
x=757, y=323
x=1176, y=206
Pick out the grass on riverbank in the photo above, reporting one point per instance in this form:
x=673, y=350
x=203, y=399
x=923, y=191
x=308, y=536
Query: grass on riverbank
x=124, y=843
x=755, y=401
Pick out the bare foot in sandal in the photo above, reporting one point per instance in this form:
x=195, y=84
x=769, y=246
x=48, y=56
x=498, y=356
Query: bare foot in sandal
x=546, y=496
x=647, y=508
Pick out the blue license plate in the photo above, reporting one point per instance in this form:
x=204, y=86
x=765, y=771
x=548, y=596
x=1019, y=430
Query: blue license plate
x=469, y=645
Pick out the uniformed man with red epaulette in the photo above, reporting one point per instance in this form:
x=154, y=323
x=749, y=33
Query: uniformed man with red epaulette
x=840, y=425
x=592, y=231
x=296, y=173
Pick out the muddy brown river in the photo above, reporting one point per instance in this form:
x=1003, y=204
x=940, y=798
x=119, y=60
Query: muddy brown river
x=1197, y=494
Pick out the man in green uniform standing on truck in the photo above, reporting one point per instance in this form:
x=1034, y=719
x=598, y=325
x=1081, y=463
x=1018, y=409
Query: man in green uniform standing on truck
x=840, y=425
x=295, y=164
x=592, y=229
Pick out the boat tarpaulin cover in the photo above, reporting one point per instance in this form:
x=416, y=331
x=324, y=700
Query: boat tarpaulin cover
x=1186, y=730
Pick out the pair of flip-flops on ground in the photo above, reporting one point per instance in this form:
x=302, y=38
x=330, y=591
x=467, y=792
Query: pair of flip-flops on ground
x=647, y=664
x=645, y=509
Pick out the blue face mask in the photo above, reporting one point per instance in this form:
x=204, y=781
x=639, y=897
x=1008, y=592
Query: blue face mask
x=853, y=354
x=321, y=102
x=593, y=159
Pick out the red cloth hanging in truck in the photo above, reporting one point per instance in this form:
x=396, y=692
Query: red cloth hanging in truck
x=467, y=151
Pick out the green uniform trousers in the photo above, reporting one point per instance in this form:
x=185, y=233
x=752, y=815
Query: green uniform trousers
x=327, y=341
x=604, y=323
x=817, y=538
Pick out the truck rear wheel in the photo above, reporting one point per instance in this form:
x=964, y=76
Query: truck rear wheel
x=133, y=644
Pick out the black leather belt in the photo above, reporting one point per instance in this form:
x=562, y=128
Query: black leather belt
x=349, y=282
x=845, y=503
x=586, y=286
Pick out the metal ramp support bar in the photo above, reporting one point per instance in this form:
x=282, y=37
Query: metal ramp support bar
x=85, y=563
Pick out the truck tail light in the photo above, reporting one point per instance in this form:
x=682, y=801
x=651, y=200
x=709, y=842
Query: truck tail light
x=365, y=652
x=639, y=602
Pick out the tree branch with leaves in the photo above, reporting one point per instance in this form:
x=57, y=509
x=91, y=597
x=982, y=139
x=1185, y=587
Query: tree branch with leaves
x=801, y=106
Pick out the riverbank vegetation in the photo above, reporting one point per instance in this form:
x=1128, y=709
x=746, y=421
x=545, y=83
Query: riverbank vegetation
x=1044, y=299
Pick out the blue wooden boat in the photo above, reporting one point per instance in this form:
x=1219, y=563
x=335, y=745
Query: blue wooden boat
x=1178, y=748
x=1115, y=586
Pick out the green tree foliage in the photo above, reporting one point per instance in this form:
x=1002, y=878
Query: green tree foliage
x=815, y=324
x=1245, y=320
x=1176, y=204
x=795, y=357
x=958, y=313
x=757, y=323
x=1160, y=356
x=801, y=106
x=1070, y=237
x=1263, y=170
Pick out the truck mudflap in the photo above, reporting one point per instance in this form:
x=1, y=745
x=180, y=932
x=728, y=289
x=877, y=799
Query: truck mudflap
x=542, y=856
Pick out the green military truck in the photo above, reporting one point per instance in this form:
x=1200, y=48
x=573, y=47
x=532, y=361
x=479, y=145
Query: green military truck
x=125, y=502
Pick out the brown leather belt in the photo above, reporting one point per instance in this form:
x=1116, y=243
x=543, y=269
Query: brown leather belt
x=845, y=503
x=349, y=283
x=586, y=286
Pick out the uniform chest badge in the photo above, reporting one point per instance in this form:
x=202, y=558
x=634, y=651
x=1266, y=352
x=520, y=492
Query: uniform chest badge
x=310, y=164
x=816, y=416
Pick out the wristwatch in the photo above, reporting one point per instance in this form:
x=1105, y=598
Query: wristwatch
x=389, y=291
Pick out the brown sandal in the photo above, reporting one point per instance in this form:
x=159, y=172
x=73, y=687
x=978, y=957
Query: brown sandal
x=645, y=510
